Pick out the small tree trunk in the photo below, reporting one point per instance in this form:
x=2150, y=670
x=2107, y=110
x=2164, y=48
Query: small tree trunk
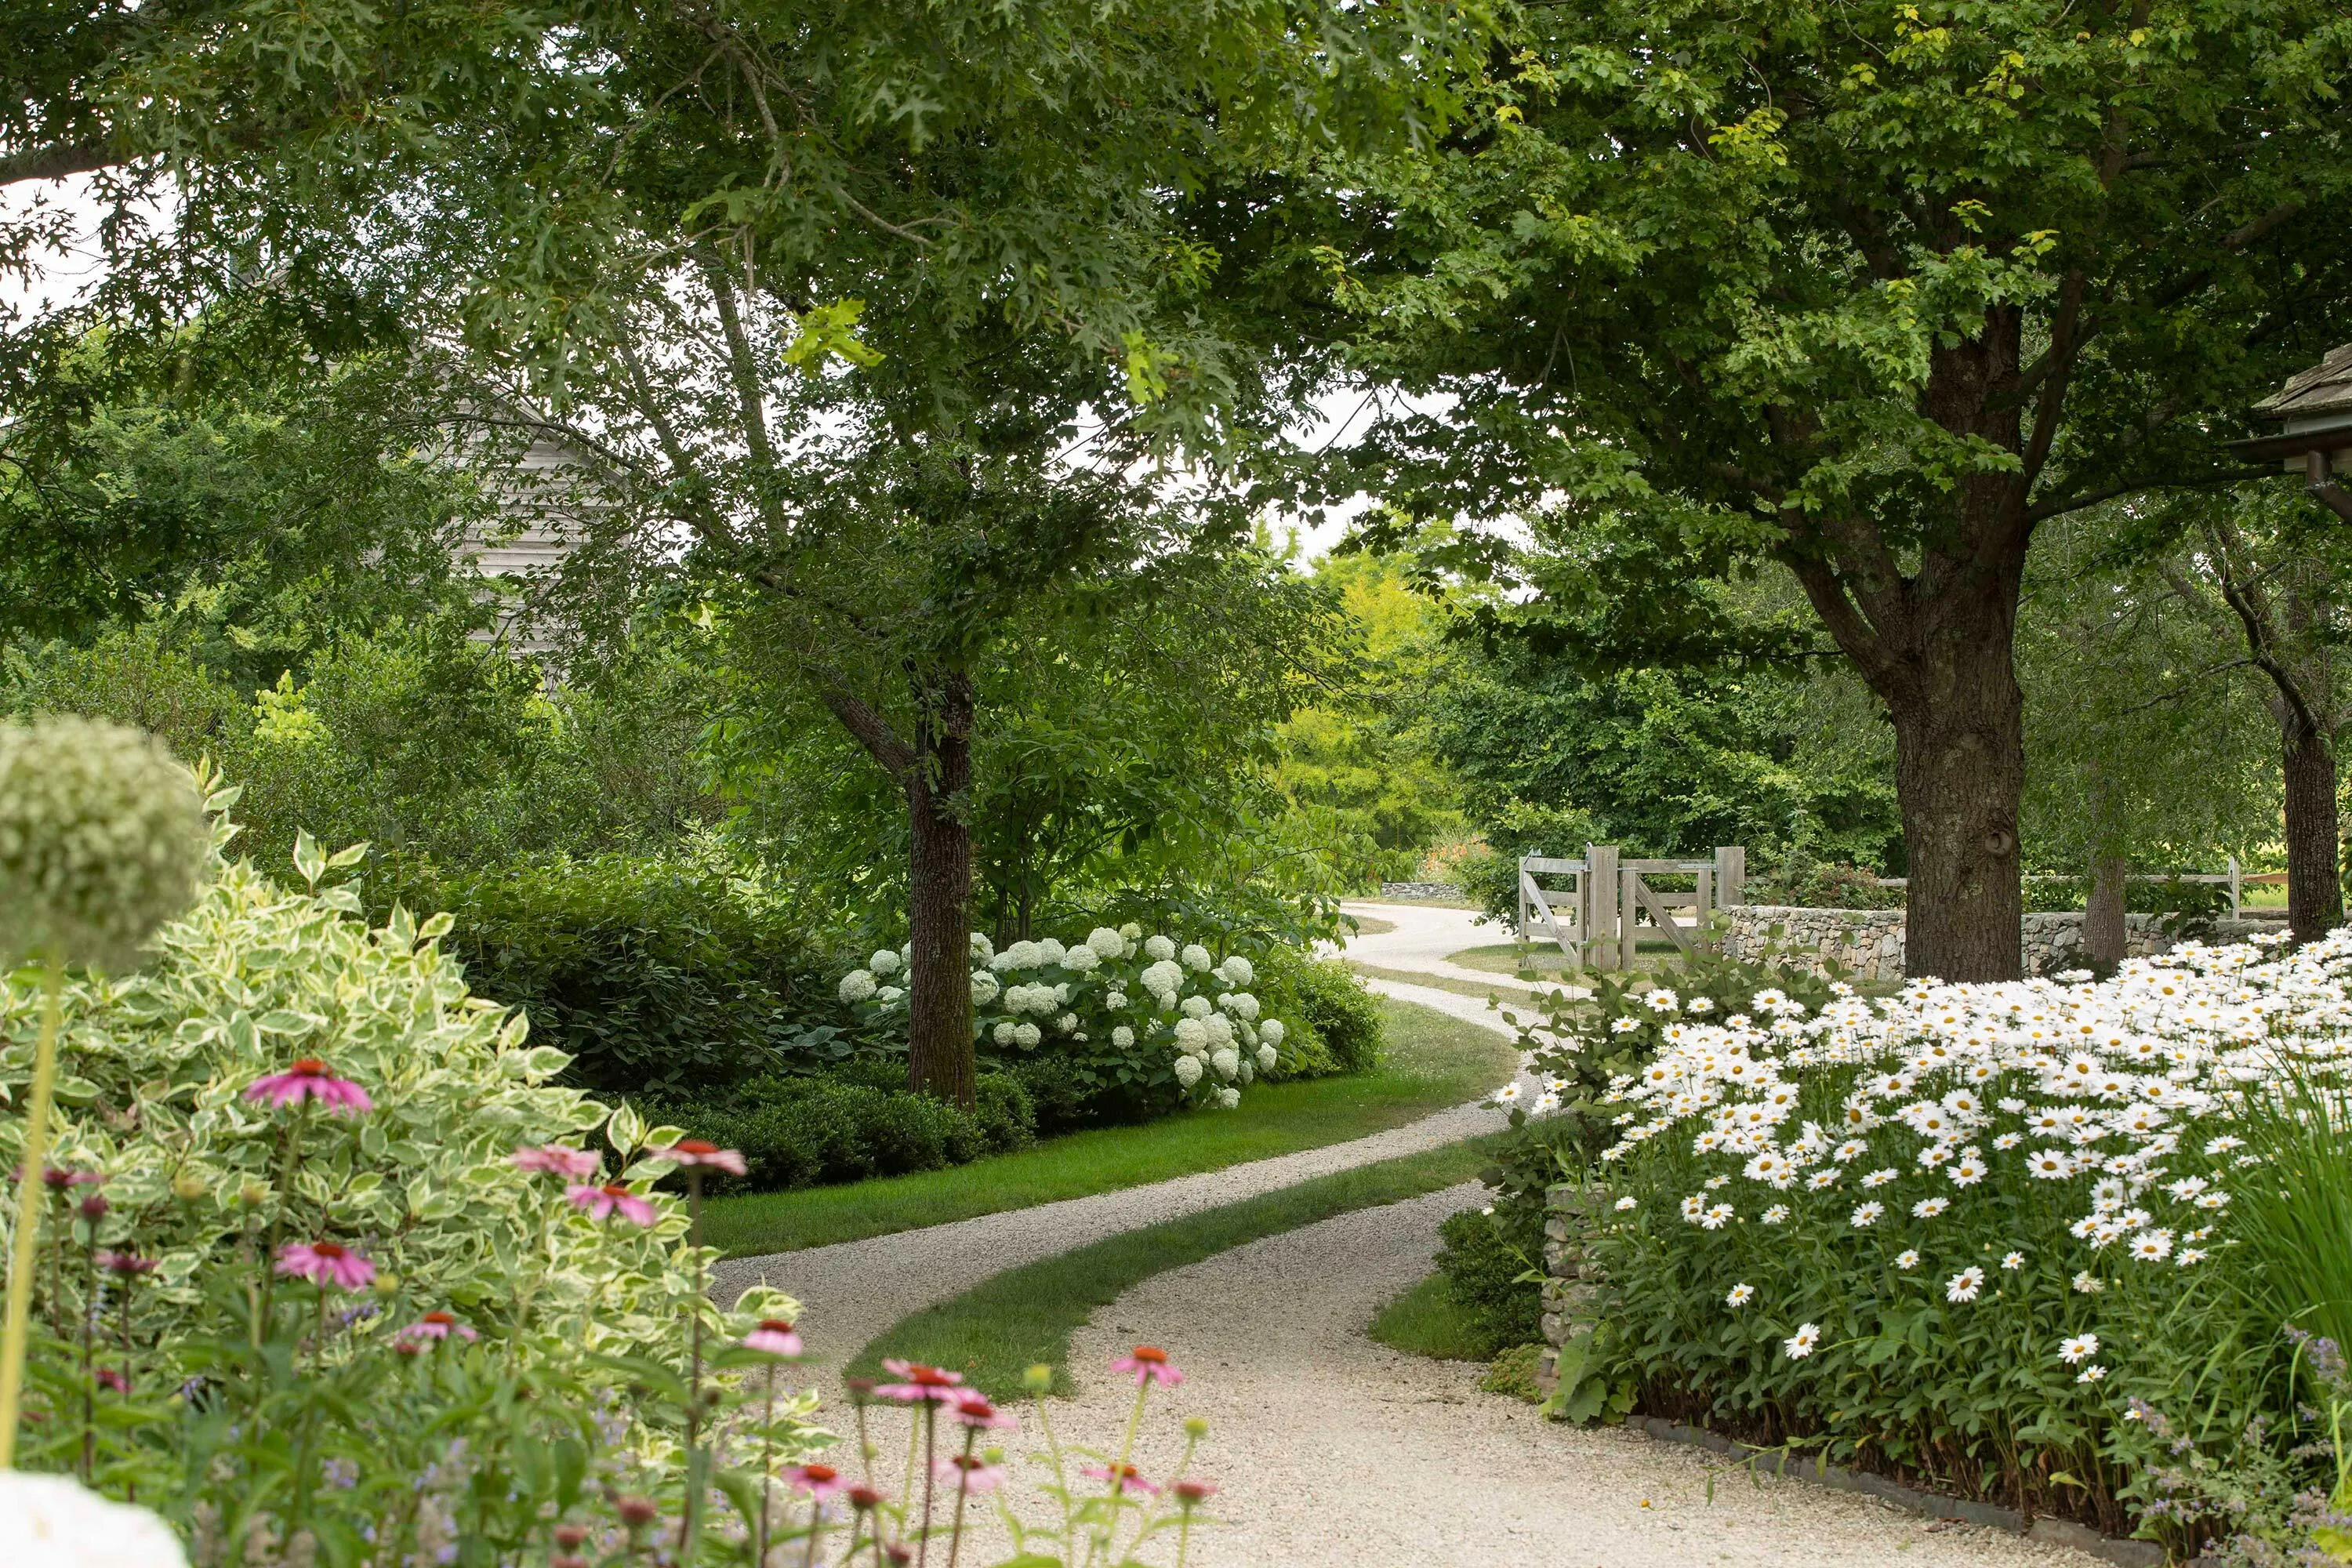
x=2106, y=933
x=2315, y=888
x=1960, y=775
x=938, y=893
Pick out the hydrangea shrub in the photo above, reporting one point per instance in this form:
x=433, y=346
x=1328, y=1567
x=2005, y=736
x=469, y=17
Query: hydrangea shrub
x=1167, y=1022
x=1978, y=1234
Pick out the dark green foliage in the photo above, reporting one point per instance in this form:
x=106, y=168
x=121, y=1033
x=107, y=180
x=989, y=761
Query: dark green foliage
x=1322, y=995
x=652, y=973
x=1488, y=1260
x=810, y=1131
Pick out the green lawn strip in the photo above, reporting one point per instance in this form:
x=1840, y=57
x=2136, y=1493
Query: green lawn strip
x=1016, y=1320
x=1425, y=1321
x=1432, y=1062
x=1477, y=988
x=1503, y=958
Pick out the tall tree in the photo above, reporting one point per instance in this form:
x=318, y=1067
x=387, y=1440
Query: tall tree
x=1870, y=293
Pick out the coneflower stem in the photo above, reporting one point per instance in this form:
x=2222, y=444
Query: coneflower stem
x=963, y=1487
x=930, y=1448
x=23, y=1254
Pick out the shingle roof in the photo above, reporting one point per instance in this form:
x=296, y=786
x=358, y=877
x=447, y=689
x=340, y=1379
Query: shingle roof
x=2325, y=388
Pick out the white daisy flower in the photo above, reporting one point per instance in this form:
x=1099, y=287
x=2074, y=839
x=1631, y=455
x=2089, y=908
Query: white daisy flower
x=1739, y=1296
x=1800, y=1345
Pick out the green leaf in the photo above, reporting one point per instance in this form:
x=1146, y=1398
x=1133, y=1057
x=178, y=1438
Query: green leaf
x=310, y=860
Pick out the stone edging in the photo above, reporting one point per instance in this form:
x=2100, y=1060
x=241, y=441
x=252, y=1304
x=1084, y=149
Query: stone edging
x=1927, y=1505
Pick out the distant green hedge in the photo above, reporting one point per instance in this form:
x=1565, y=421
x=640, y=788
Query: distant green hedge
x=810, y=1131
x=654, y=973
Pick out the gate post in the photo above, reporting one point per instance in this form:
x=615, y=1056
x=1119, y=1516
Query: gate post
x=1600, y=902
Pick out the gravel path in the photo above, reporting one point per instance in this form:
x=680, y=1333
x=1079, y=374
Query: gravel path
x=1333, y=1450
x=852, y=1291
x=1424, y=937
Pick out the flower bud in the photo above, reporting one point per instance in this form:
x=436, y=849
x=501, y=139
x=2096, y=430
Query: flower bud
x=188, y=1186
x=1195, y=1427
x=571, y=1536
x=94, y=1207
x=1038, y=1379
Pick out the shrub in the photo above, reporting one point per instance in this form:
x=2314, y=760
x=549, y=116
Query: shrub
x=1342, y=1017
x=203, y=1184
x=1485, y=1259
x=1976, y=1233
x=649, y=973
x=810, y=1131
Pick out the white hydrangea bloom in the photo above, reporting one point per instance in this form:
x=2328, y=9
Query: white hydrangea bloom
x=1106, y=943
x=1062, y=993
x=1081, y=958
x=1266, y=1058
x=1024, y=955
x=1240, y=1005
x=1027, y=1034
x=907, y=956
x=1271, y=1031
x=983, y=987
x=1001, y=963
x=1220, y=1028
x=882, y=961
x=1115, y=1000
x=1188, y=1070
x=1196, y=958
x=1190, y=1038
x=53, y=1521
x=1197, y=1007
x=1158, y=949
x=1122, y=1038
x=887, y=995
x=1004, y=1033
x=982, y=949
x=1248, y=1070
x=1247, y=1034
x=1051, y=952
x=857, y=987
x=1066, y=1024
x=1228, y=1097
x=1130, y=931
x=1163, y=979
x=1227, y=1061
x=1236, y=970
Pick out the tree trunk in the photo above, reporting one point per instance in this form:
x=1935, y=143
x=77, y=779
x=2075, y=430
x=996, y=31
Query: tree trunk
x=1960, y=775
x=2106, y=933
x=2315, y=888
x=938, y=893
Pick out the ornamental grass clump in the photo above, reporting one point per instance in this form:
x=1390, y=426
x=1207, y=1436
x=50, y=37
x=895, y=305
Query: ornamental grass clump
x=1971, y=1233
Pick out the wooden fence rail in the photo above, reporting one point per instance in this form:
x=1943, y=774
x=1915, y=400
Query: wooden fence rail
x=1595, y=923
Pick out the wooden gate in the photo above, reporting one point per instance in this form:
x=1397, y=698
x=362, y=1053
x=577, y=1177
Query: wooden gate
x=1604, y=909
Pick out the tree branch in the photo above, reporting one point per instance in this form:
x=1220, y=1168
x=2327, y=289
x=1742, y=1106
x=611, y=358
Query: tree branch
x=872, y=731
x=54, y=163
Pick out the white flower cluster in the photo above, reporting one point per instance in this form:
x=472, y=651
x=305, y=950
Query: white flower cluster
x=2116, y=1095
x=1132, y=988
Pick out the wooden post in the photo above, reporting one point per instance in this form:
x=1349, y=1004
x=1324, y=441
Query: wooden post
x=1523, y=899
x=1599, y=901
x=1628, y=909
x=2237, y=907
x=1730, y=875
x=1705, y=895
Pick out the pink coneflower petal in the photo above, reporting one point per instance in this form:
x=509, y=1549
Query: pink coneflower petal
x=1150, y=1364
x=923, y=1384
x=774, y=1336
x=816, y=1480
x=126, y=1265
x=971, y=1472
x=309, y=1078
x=325, y=1263
x=437, y=1326
x=612, y=1198
x=557, y=1159
x=973, y=1411
x=695, y=1152
x=1191, y=1494
x=1129, y=1478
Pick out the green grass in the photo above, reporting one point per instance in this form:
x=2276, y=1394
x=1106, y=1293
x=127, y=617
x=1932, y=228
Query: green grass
x=1503, y=958
x=1478, y=988
x=1019, y=1319
x=1425, y=1321
x=1433, y=1061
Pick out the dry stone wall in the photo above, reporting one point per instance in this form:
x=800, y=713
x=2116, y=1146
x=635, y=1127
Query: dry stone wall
x=1869, y=942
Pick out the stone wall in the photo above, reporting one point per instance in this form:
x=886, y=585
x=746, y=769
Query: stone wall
x=1420, y=890
x=1869, y=942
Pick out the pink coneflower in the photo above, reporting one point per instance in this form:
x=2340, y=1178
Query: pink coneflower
x=694, y=1152
x=611, y=1198
x=556, y=1159
x=970, y=1472
x=309, y=1078
x=325, y=1263
x=1128, y=1477
x=59, y=1179
x=975, y=1412
x=864, y=1499
x=816, y=1480
x=774, y=1336
x=923, y=1384
x=126, y=1265
x=109, y=1378
x=1150, y=1364
x=437, y=1326
x=1192, y=1494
